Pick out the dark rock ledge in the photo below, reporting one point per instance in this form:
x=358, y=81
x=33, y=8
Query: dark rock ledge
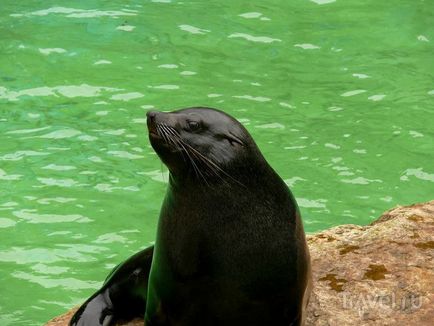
x=379, y=274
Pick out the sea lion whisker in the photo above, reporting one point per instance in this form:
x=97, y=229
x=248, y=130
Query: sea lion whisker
x=176, y=142
x=174, y=135
x=173, y=139
x=216, y=166
x=195, y=166
x=169, y=133
x=192, y=155
x=170, y=136
x=170, y=129
x=176, y=138
x=186, y=153
x=162, y=133
x=210, y=167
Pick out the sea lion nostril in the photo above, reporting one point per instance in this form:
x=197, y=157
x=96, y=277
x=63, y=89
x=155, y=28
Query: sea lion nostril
x=151, y=121
x=151, y=115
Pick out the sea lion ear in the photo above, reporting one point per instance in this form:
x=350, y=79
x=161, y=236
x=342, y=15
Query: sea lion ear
x=233, y=139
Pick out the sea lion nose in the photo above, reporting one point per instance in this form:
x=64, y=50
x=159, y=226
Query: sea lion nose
x=151, y=120
x=151, y=115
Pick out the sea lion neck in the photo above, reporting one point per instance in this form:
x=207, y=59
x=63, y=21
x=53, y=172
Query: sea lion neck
x=236, y=179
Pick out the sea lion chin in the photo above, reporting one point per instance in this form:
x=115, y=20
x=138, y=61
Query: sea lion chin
x=230, y=246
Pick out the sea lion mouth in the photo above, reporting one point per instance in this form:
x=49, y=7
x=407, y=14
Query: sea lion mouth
x=154, y=128
x=154, y=134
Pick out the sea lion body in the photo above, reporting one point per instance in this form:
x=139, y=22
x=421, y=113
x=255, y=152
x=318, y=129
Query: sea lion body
x=230, y=246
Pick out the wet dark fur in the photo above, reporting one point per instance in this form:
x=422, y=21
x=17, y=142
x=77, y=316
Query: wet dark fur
x=230, y=247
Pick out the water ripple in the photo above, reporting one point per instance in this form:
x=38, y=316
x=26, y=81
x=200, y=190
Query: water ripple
x=274, y=125
x=58, y=167
x=422, y=38
x=291, y=182
x=60, y=134
x=212, y=95
x=309, y=203
x=115, y=132
x=157, y=175
x=27, y=131
x=47, y=269
x=254, y=15
x=9, y=177
x=323, y=2
x=87, y=138
x=48, y=51
x=415, y=134
x=111, y=238
x=83, y=90
x=333, y=146
x=62, y=200
x=105, y=187
x=6, y=223
x=168, y=87
x=57, y=182
x=193, y=30
x=140, y=120
x=18, y=155
x=65, y=283
x=307, y=46
x=258, y=39
x=361, y=181
x=35, y=218
x=78, y=13
x=377, y=97
x=125, y=154
x=361, y=76
x=168, y=66
x=188, y=73
x=352, y=93
x=102, y=62
x=418, y=173
x=126, y=96
x=126, y=28
x=253, y=98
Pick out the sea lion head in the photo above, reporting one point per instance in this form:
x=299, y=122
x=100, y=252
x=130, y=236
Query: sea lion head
x=201, y=142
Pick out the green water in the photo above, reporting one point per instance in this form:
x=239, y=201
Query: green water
x=339, y=96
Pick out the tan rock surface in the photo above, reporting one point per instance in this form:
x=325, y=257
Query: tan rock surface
x=380, y=274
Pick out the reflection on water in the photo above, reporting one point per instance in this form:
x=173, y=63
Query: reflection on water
x=67, y=91
x=339, y=106
x=78, y=13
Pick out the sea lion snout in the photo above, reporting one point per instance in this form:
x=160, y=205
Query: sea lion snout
x=151, y=121
x=151, y=115
x=155, y=118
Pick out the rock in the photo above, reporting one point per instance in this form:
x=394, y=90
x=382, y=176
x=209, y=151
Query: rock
x=379, y=274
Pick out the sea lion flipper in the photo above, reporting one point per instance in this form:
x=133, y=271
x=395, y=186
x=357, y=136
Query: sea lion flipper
x=123, y=295
x=94, y=312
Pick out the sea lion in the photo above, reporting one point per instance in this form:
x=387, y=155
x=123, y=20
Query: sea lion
x=230, y=246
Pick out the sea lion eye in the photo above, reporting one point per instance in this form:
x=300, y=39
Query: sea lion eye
x=193, y=125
